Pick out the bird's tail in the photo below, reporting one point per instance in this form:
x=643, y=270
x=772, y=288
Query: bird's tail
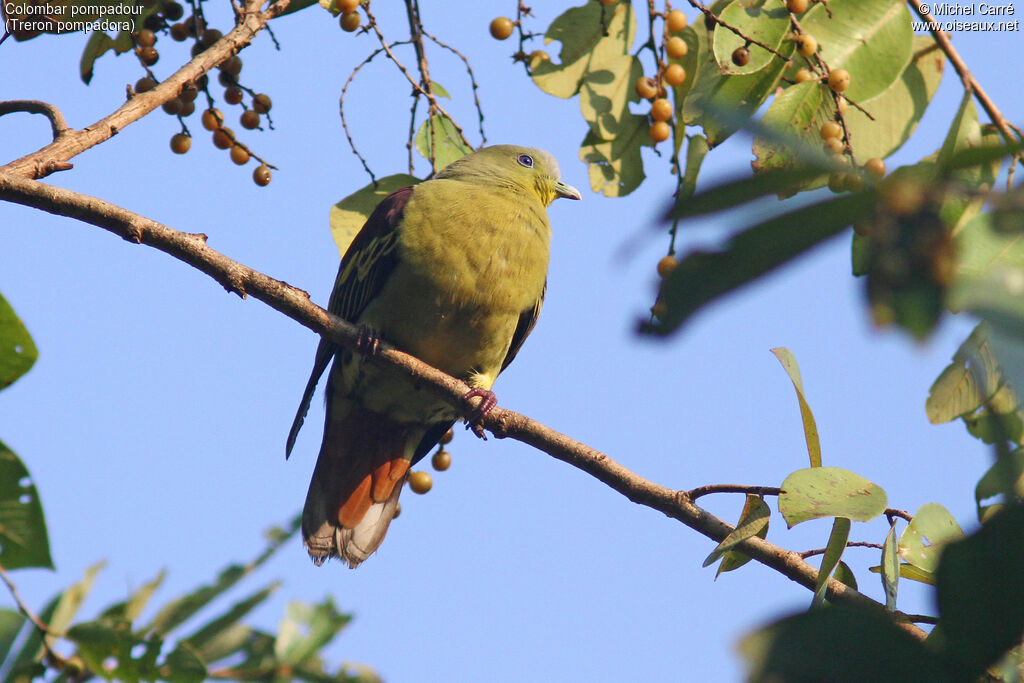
x=364, y=461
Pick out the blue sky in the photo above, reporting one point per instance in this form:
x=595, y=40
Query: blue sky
x=154, y=421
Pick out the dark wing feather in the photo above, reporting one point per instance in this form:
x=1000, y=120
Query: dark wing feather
x=527, y=319
x=365, y=267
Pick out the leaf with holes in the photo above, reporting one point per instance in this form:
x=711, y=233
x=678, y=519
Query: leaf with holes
x=23, y=538
x=922, y=542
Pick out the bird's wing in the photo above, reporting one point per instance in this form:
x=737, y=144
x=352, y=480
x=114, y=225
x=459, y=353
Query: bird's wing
x=527, y=319
x=366, y=266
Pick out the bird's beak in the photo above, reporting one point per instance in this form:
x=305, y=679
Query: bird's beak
x=566, y=191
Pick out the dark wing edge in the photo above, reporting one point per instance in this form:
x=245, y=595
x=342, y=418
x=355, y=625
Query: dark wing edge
x=527, y=320
x=364, y=269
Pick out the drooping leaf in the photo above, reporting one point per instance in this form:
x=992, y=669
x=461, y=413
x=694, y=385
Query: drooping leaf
x=733, y=193
x=754, y=521
x=307, y=628
x=224, y=635
x=439, y=142
x=930, y=530
x=966, y=383
x=23, y=538
x=11, y=623
x=890, y=569
x=819, y=492
x=349, y=214
x=591, y=35
x=981, y=594
x=963, y=203
x=830, y=559
x=789, y=364
x=696, y=150
x=909, y=571
x=839, y=645
x=17, y=350
x=100, y=43
x=899, y=109
x=615, y=166
x=872, y=39
x=845, y=575
x=758, y=19
x=1005, y=475
x=131, y=608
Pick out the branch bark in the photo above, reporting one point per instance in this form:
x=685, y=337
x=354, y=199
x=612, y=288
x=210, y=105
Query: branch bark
x=295, y=303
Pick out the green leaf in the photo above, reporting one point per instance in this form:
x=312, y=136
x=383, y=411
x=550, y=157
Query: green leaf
x=11, y=623
x=733, y=193
x=23, y=538
x=349, y=214
x=922, y=542
x=224, y=635
x=696, y=150
x=833, y=551
x=838, y=645
x=605, y=92
x=753, y=522
x=767, y=25
x=819, y=492
x=899, y=109
x=961, y=203
x=615, y=166
x=100, y=43
x=966, y=383
x=307, y=628
x=182, y=665
x=439, y=142
x=845, y=575
x=703, y=276
x=792, y=369
x=983, y=248
x=872, y=39
x=722, y=103
x=981, y=594
x=1007, y=474
x=910, y=572
x=17, y=350
x=890, y=569
x=591, y=35
x=131, y=608
x=796, y=116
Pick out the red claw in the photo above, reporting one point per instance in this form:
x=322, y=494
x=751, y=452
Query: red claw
x=474, y=420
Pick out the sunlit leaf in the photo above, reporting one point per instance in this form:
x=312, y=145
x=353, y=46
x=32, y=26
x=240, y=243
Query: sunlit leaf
x=819, y=492
x=766, y=24
x=615, y=166
x=792, y=369
x=17, y=350
x=349, y=214
x=966, y=383
x=1004, y=477
x=890, y=569
x=307, y=628
x=753, y=521
x=830, y=559
x=438, y=141
x=931, y=528
x=23, y=538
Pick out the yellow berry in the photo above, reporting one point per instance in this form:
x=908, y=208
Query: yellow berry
x=661, y=110
x=839, y=80
x=240, y=155
x=350, y=21
x=646, y=88
x=806, y=45
x=347, y=6
x=420, y=481
x=834, y=146
x=803, y=75
x=212, y=119
x=830, y=129
x=676, y=47
x=675, y=21
x=223, y=138
x=666, y=265
x=441, y=460
x=675, y=74
x=796, y=6
x=501, y=28
x=660, y=131
x=875, y=168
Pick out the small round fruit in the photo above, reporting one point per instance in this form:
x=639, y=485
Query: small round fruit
x=441, y=460
x=347, y=6
x=350, y=22
x=806, y=44
x=796, y=6
x=173, y=11
x=420, y=481
x=675, y=74
x=501, y=28
x=676, y=47
x=226, y=79
x=210, y=36
x=537, y=57
x=148, y=55
x=646, y=88
x=675, y=21
x=854, y=182
x=261, y=175
x=173, y=107
x=224, y=138
x=830, y=129
x=803, y=75
x=250, y=119
x=261, y=103
x=180, y=143
x=666, y=265
x=154, y=22
x=202, y=82
x=232, y=65
x=145, y=38
x=194, y=25
x=179, y=32
x=240, y=155
x=144, y=84
x=188, y=93
x=660, y=131
x=740, y=56
x=834, y=146
x=187, y=109
x=212, y=119
x=837, y=182
x=233, y=95
x=447, y=438
x=839, y=80
x=875, y=168
x=661, y=110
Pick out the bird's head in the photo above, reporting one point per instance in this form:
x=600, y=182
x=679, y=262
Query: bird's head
x=527, y=169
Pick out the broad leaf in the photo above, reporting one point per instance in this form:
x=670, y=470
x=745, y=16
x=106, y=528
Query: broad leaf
x=968, y=382
x=605, y=93
x=307, y=628
x=819, y=492
x=349, y=214
x=439, y=142
x=615, y=166
x=1004, y=477
x=922, y=542
x=17, y=350
x=753, y=522
x=761, y=20
x=23, y=538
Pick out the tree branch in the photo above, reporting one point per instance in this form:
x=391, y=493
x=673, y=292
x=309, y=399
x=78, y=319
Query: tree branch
x=71, y=142
x=295, y=303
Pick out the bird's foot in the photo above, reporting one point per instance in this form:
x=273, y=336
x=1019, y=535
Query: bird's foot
x=368, y=341
x=474, y=420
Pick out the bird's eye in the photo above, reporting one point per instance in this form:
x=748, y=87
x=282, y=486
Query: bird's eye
x=526, y=160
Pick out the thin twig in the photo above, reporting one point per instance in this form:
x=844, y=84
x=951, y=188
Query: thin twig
x=295, y=303
x=472, y=80
x=58, y=661
x=57, y=123
x=753, y=41
x=851, y=544
x=902, y=514
x=696, y=493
